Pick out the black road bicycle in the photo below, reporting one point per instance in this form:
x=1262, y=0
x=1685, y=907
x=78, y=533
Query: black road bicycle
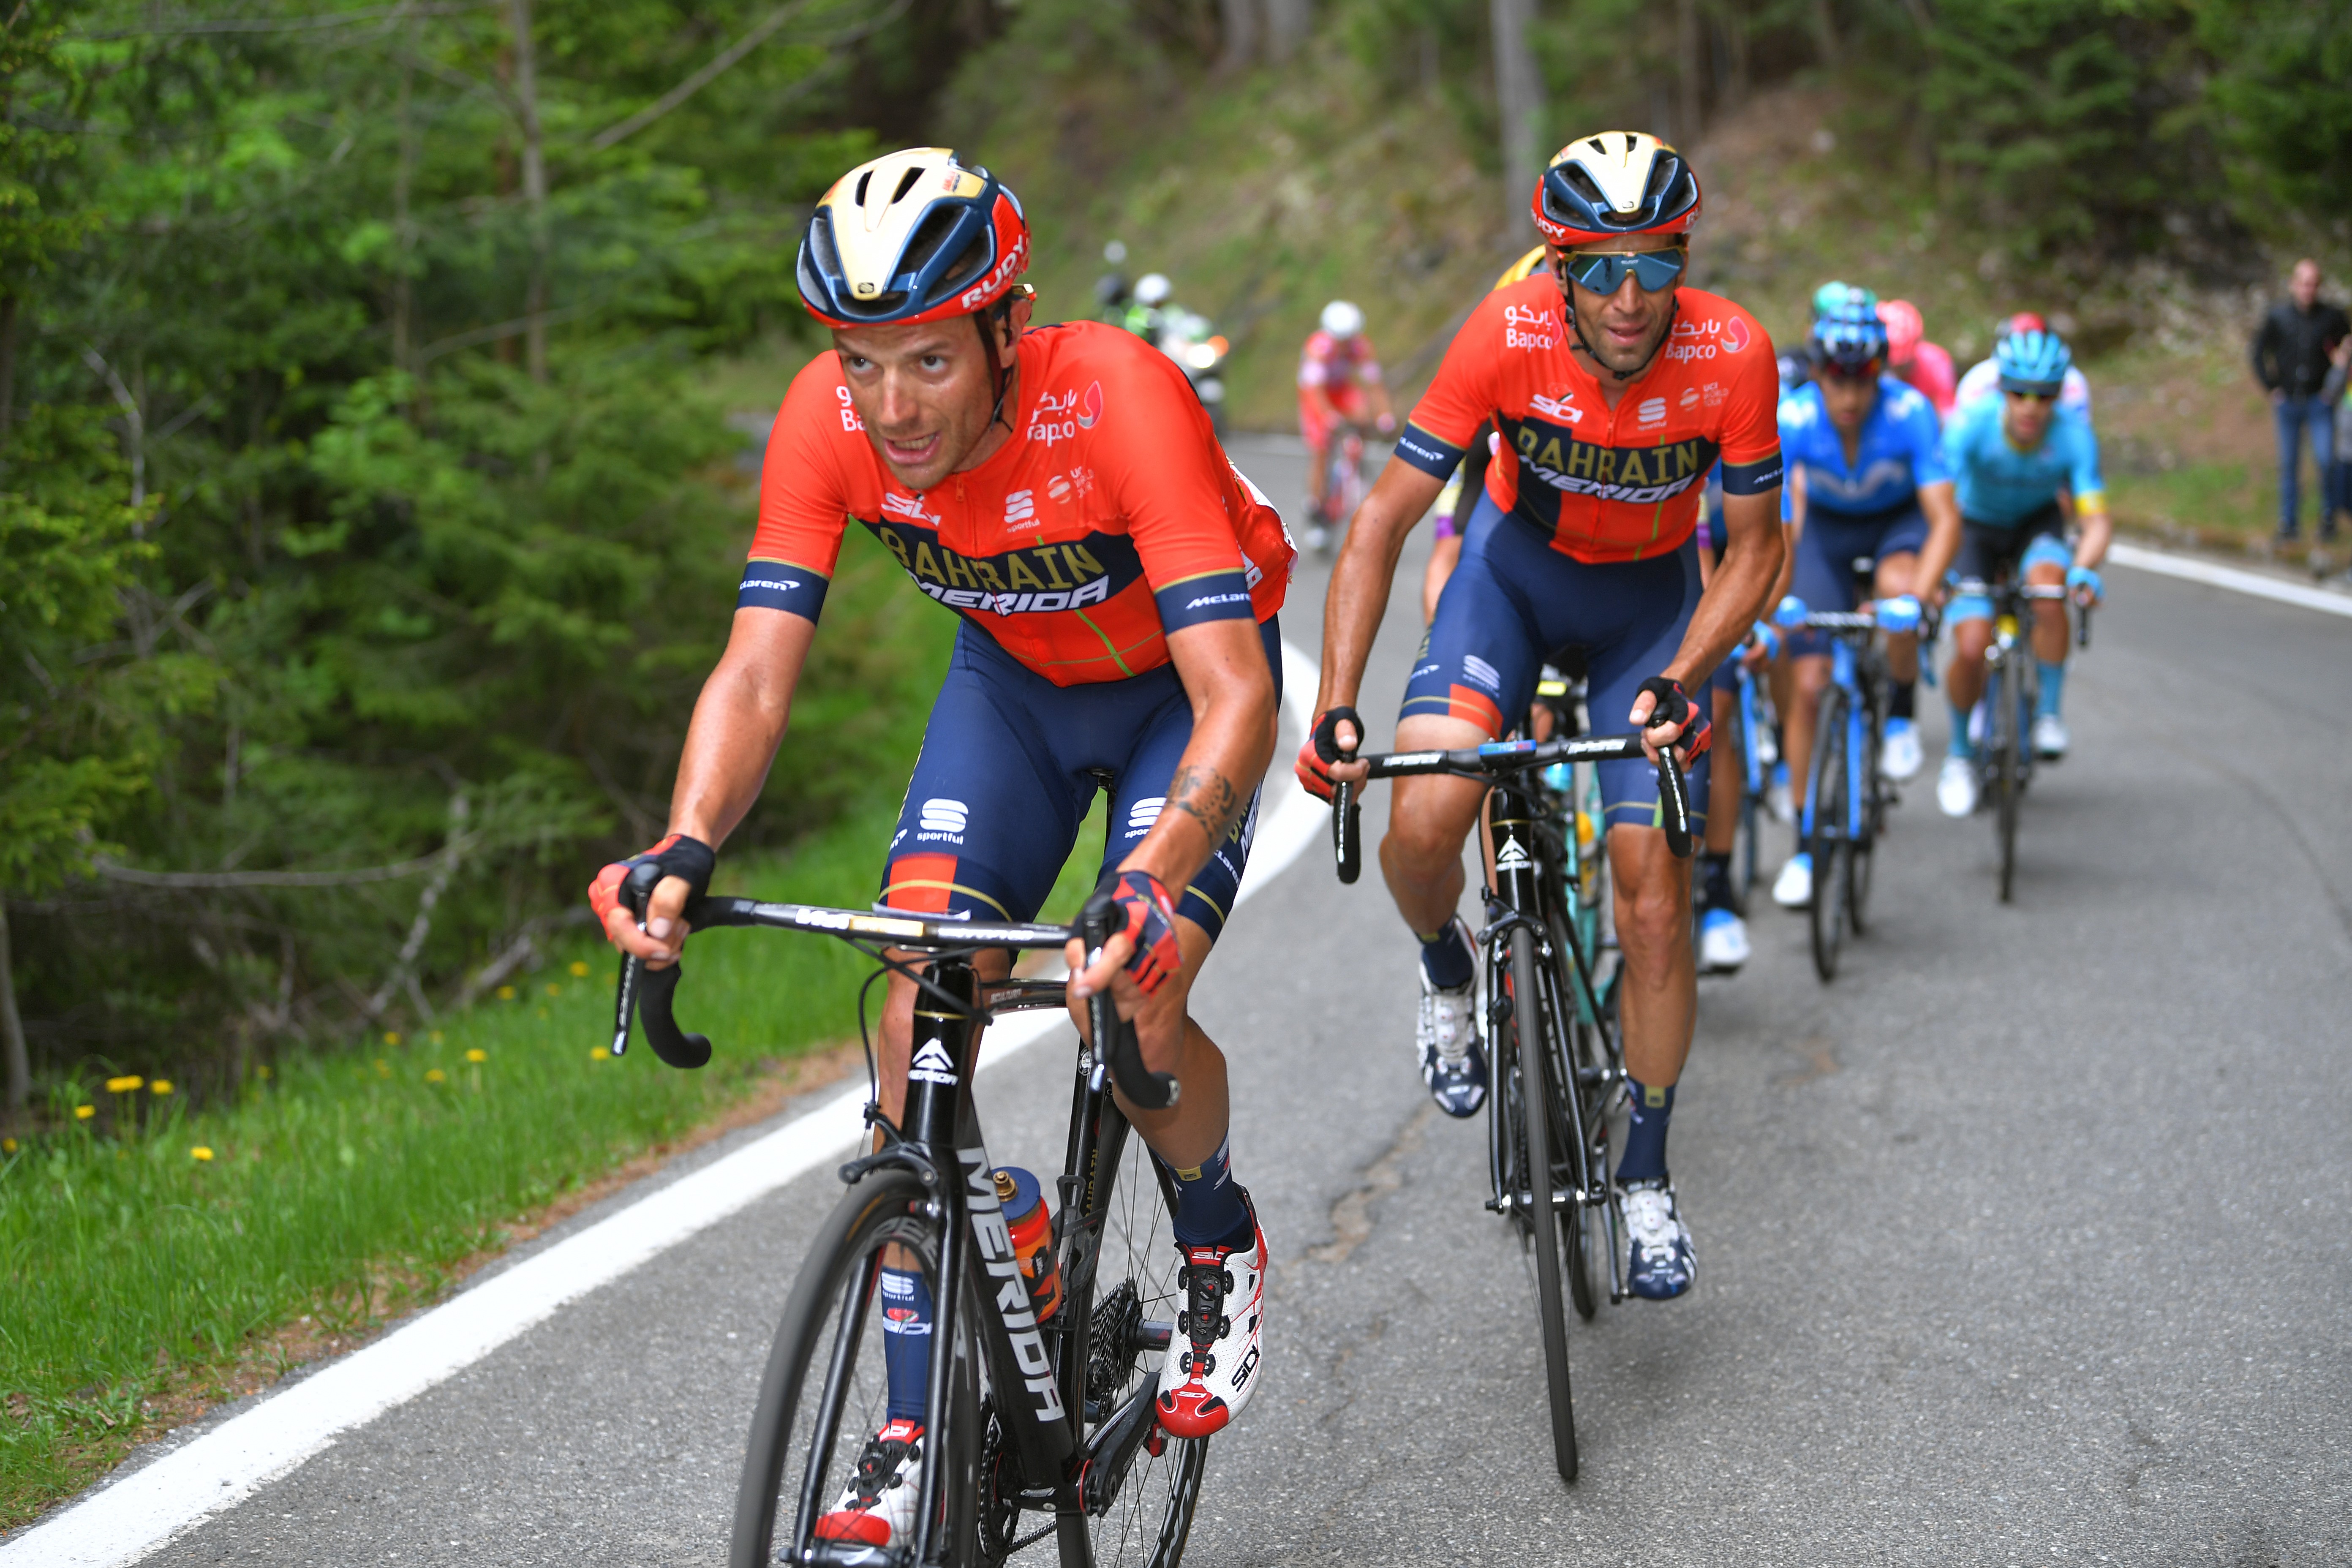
x=1551, y=1041
x=1033, y=1427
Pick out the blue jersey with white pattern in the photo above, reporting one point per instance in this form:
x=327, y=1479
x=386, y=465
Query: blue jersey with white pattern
x=1901, y=451
x=2002, y=486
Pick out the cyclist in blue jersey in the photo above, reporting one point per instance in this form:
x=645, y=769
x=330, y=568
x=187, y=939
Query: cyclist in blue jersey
x=2010, y=458
x=1867, y=480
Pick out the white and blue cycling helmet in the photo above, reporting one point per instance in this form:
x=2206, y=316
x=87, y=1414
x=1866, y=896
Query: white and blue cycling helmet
x=1851, y=342
x=2032, y=361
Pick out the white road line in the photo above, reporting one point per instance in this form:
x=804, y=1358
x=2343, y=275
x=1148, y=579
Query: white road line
x=124, y=1522
x=2190, y=569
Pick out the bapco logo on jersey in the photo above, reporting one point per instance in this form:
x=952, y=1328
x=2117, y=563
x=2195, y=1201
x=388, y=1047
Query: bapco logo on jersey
x=1525, y=327
x=1060, y=418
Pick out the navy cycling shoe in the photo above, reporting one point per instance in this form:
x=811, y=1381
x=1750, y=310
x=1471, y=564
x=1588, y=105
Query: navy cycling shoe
x=1447, y=1042
x=1662, y=1265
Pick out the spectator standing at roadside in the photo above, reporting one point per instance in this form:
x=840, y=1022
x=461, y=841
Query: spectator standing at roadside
x=2338, y=496
x=2291, y=352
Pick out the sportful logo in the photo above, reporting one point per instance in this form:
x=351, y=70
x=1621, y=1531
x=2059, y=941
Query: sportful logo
x=898, y=1312
x=1654, y=411
x=1485, y=674
x=944, y=817
x=998, y=1259
x=1020, y=507
x=1143, y=814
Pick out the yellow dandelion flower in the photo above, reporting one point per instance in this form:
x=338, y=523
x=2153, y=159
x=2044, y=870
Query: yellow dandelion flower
x=542, y=1013
x=478, y=1054
x=435, y=1075
x=84, y=1112
x=506, y=992
x=124, y=1084
x=263, y=1072
x=8, y=1145
x=554, y=989
x=597, y=1053
x=382, y=1068
x=201, y=1153
x=392, y=1037
x=160, y=1086
x=437, y=1037
x=580, y=969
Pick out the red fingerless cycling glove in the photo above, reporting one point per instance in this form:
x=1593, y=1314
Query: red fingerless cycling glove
x=676, y=855
x=1674, y=707
x=1149, y=921
x=1322, y=748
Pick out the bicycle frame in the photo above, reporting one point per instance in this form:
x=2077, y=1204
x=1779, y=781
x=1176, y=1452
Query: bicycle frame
x=1037, y=1371
x=1848, y=675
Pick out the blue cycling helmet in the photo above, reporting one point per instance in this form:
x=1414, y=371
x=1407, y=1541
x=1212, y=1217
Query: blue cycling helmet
x=2032, y=361
x=1851, y=342
x=1843, y=300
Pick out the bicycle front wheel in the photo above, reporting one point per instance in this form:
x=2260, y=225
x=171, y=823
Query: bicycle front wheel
x=1862, y=856
x=2008, y=773
x=1544, y=1228
x=1831, y=842
x=825, y=1392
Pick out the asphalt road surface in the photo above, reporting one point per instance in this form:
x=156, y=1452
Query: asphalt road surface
x=2025, y=1242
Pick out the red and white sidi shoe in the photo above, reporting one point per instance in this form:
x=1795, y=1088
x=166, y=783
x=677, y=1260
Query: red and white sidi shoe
x=1213, y=1365
x=877, y=1507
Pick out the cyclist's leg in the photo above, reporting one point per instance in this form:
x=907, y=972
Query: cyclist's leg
x=1824, y=579
x=1658, y=995
x=2044, y=563
x=1723, y=935
x=1315, y=429
x=1897, y=562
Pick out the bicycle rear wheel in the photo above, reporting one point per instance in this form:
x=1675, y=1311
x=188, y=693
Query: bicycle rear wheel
x=1862, y=856
x=2008, y=773
x=825, y=1394
x=1831, y=842
x=1528, y=1060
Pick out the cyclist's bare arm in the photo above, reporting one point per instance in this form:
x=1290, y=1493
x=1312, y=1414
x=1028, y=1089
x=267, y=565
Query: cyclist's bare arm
x=1753, y=555
x=1361, y=581
x=1940, y=502
x=1223, y=667
x=737, y=721
x=2099, y=529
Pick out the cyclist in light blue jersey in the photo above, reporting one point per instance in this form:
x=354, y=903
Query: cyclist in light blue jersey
x=1868, y=481
x=2012, y=457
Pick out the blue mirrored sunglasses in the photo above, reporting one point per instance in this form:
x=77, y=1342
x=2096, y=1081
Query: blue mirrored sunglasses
x=1603, y=272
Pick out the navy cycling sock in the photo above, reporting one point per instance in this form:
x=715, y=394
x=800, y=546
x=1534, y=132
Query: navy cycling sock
x=1644, y=1159
x=906, y=1340
x=1209, y=1207
x=1903, y=701
x=1961, y=746
x=1446, y=959
x=2053, y=687
x=1717, y=889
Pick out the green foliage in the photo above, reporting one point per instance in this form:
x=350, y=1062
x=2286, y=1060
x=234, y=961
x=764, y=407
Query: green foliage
x=2281, y=100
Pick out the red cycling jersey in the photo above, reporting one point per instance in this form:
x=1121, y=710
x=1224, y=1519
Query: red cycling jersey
x=1332, y=363
x=1622, y=484
x=1110, y=519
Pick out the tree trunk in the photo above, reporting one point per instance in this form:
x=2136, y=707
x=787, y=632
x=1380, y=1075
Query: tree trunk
x=534, y=192
x=1238, y=19
x=8, y=365
x=12, y=1029
x=403, y=232
x=1825, y=33
x=1519, y=97
x=1286, y=23
x=1731, y=37
x=1687, y=66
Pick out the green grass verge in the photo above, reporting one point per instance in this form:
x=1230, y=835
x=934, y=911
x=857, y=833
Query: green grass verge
x=146, y=1250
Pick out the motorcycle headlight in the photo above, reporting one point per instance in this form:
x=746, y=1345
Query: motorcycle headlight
x=1200, y=356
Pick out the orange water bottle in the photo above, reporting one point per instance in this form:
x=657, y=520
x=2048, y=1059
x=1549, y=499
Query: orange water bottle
x=1024, y=1202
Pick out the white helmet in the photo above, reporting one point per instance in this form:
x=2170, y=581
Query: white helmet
x=1152, y=289
x=1343, y=319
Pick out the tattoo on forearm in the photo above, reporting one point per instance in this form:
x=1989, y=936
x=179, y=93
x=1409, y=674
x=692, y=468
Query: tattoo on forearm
x=1206, y=797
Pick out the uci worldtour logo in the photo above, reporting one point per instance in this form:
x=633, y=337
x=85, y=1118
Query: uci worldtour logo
x=1060, y=418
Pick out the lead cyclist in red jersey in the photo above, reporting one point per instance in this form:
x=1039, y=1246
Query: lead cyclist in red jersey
x=1118, y=581
x=1614, y=392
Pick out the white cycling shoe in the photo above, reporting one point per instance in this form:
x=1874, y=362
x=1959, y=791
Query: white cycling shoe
x=1793, y=889
x=1722, y=941
x=2050, y=737
x=877, y=1507
x=1956, y=786
x=1660, y=1262
x=1445, y=1042
x=1213, y=1357
x=1900, y=757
